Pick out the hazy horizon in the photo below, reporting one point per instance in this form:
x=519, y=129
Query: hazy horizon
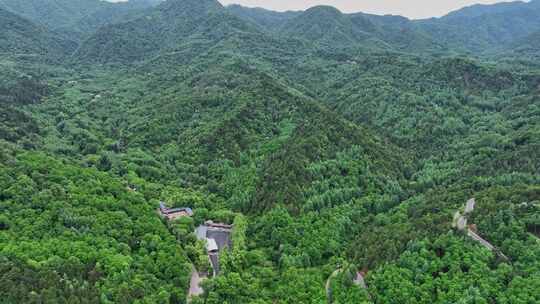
x=415, y=9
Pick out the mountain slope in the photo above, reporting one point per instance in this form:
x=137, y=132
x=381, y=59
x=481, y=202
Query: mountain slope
x=327, y=26
x=484, y=28
x=20, y=36
x=324, y=24
x=54, y=14
x=74, y=18
x=527, y=47
x=87, y=25
x=161, y=29
x=265, y=19
x=478, y=29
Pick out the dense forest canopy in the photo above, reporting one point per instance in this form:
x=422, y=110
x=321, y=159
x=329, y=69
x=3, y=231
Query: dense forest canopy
x=342, y=148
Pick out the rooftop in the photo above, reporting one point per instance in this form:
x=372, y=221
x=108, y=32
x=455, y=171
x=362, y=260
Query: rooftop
x=165, y=210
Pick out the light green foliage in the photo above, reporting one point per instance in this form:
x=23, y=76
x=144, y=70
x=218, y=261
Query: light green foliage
x=84, y=225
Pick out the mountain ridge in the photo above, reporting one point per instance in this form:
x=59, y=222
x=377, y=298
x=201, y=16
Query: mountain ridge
x=475, y=29
x=162, y=28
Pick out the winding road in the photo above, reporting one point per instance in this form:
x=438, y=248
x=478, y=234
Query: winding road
x=460, y=223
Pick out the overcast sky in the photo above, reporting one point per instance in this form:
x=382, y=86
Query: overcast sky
x=409, y=8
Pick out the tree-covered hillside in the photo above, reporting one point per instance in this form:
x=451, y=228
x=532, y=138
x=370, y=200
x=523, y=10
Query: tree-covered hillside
x=478, y=29
x=164, y=28
x=75, y=19
x=341, y=147
x=266, y=19
x=21, y=37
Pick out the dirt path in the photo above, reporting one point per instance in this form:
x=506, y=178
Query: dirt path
x=195, y=288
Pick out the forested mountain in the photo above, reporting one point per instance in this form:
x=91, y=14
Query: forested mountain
x=75, y=18
x=20, y=36
x=339, y=146
x=486, y=28
x=526, y=47
x=477, y=29
x=266, y=19
x=324, y=24
x=164, y=28
x=54, y=13
x=329, y=27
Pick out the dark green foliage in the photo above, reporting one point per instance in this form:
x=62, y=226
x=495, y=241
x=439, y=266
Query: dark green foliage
x=16, y=126
x=26, y=89
x=68, y=282
x=285, y=176
x=526, y=47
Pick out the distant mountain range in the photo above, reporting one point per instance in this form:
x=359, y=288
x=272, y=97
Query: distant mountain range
x=165, y=27
x=485, y=28
x=75, y=19
x=139, y=30
x=477, y=29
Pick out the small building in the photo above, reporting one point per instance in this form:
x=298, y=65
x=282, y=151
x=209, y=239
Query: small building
x=200, y=232
x=211, y=224
x=162, y=207
x=174, y=213
x=211, y=246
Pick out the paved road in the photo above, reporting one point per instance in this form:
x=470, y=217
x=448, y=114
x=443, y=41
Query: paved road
x=486, y=244
x=477, y=238
x=214, y=259
x=460, y=222
x=223, y=241
x=195, y=288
